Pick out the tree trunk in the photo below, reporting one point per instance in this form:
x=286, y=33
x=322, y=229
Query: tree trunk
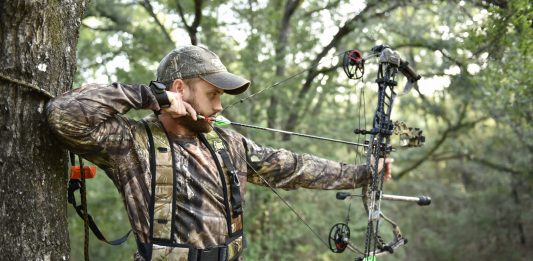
x=38, y=59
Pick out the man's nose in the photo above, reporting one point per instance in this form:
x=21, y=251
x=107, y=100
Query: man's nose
x=217, y=106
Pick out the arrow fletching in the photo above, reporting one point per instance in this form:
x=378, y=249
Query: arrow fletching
x=221, y=121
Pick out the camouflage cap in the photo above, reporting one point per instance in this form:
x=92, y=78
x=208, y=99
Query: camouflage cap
x=192, y=61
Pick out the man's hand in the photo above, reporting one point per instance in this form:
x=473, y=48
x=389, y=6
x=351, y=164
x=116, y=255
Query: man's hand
x=178, y=107
x=387, y=166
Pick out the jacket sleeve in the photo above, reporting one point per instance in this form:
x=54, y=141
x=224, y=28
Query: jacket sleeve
x=88, y=121
x=288, y=170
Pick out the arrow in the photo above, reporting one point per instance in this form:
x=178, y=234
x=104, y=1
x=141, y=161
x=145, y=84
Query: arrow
x=221, y=121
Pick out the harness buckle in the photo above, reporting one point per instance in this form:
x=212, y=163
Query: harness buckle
x=234, y=178
x=213, y=254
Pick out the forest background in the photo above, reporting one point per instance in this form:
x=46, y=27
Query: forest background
x=474, y=104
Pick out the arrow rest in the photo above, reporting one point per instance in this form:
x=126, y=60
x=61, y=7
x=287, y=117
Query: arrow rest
x=339, y=236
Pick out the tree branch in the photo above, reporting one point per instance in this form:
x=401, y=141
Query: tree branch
x=487, y=3
x=102, y=29
x=451, y=130
x=148, y=7
x=182, y=15
x=281, y=45
x=197, y=15
x=329, y=5
x=347, y=28
x=192, y=29
x=432, y=47
x=485, y=162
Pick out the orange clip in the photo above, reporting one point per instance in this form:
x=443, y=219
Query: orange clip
x=89, y=172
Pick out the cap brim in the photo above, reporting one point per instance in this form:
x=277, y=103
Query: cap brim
x=229, y=82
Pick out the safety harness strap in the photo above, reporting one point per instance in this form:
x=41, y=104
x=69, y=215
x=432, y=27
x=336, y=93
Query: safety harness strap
x=229, y=251
x=162, y=206
x=216, y=144
x=75, y=184
x=236, y=201
x=163, y=185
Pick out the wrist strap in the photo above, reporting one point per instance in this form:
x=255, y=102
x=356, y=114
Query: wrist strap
x=159, y=91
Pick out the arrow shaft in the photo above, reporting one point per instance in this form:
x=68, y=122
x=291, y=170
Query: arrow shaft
x=298, y=134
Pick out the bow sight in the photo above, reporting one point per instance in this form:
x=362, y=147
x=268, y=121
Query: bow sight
x=408, y=137
x=379, y=146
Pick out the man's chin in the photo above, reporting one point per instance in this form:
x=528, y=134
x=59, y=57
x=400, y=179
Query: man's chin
x=203, y=129
x=195, y=126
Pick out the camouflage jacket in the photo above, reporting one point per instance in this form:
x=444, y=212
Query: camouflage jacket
x=89, y=121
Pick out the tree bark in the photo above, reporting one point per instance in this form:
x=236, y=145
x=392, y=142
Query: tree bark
x=38, y=60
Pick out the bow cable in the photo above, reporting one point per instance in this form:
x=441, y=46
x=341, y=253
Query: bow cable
x=277, y=194
x=378, y=146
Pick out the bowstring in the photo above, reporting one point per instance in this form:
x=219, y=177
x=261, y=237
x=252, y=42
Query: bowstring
x=300, y=217
x=281, y=82
x=359, y=151
x=251, y=96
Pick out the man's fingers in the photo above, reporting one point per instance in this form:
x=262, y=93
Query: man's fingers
x=388, y=168
x=190, y=110
x=178, y=107
x=384, y=165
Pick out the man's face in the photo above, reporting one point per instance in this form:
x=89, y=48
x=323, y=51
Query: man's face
x=205, y=99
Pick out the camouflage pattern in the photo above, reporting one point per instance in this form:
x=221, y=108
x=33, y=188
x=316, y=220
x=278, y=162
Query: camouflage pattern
x=192, y=61
x=409, y=137
x=199, y=61
x=235, y=248
x=165, y=253
x=88, y=121
x=164, y=189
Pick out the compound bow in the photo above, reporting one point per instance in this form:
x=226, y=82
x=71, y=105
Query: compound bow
x=378, y=147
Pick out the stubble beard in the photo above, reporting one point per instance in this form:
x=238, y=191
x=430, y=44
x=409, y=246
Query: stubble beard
x=199, y=126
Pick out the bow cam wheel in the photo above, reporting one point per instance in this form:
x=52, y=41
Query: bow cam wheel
x=339, y=236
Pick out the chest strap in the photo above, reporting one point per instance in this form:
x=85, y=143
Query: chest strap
x=163, y=184
x=219, y=146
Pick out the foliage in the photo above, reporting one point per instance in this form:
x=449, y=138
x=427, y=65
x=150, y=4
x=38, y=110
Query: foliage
x=474, y=105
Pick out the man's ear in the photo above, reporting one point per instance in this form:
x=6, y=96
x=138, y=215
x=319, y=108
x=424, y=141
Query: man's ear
x=177, y=86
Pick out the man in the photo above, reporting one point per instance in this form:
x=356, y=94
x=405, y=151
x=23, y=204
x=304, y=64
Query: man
x=190, y=208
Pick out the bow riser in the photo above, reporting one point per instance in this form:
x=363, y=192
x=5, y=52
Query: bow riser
x=380, y=140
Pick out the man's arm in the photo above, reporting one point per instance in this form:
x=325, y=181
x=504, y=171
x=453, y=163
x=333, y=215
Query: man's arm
x=288, y=170
x=86, y=119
